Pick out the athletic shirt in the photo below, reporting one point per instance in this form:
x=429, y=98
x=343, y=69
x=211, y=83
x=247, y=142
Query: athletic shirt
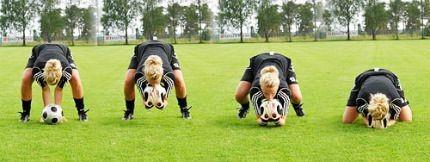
x=165, y=52
x=154, y=50
x=378, y=84
x=45, y=52
x=286, y=76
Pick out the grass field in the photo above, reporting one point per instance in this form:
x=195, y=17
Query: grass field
x=325, y=71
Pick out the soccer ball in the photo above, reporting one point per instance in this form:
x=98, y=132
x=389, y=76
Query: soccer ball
x=271, y=110
x=154, y=96
x=52, y=114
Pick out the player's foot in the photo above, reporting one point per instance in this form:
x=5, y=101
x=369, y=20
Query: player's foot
x=25, y=117
x=82, y=114
x=243, y=111
x=185, y=111
x=299, y=110
x=128, y=115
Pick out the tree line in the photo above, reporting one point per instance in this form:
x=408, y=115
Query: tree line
x=54, y=23
x=195, y=18
x=163, y=18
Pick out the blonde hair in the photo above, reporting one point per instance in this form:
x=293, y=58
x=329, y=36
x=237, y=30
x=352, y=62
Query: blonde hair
x=153, y=69
x=269, y=77
x=378, y=106
x=52, y=72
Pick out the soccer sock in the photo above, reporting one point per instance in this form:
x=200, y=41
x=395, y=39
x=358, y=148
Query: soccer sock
x=79, y=103
x=297, y=105
x=129, y=105
x=26, y=106
x=182, y=102
x=245, y=105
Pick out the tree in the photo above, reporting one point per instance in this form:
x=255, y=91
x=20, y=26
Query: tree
x=305, y=18
x=190, y=20
x=154, y=22
x=174, y=13
x=119, y=14
x=51, y=22
x=317, y=9
x=288, y=14
x=376, y=17
x=269, y=20
x=204, y=17
x=426, y=8
x=5, y=16
x=412, y=16
x=86, y=24
x=19, y=13
x=72, y=16
x=328, y=19
x=345, y=10
x=425, y=11
x=237, y=12
x=395, y=13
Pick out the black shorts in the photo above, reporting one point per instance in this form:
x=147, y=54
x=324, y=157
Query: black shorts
x=166, y=53
x=31, y=62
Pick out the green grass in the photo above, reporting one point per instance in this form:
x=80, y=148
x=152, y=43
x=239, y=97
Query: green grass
x=325, y=71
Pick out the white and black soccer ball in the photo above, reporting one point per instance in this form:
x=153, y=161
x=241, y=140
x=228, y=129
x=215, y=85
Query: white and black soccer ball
x=52, y=114
x=271, y=110
x=154, y=96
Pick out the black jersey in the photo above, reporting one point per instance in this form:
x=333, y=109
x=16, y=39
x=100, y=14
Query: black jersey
x=167, y=54
x=377, y=81
x=44, y=52
x=287, y=76
x=281, y=62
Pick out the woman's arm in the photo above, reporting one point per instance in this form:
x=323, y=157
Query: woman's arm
x=58, y=95
x=406, y=114
x=350, y=114
x=46, y=95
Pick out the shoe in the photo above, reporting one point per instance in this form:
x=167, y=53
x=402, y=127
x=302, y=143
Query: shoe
x=82, y=114
x=242, y=112
x=299, y=110
x=25, y=117
x=128, y=115
x=185, y=111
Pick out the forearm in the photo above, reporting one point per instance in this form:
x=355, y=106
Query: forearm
x=46, y=94
x=242, y=91
x=58, y=95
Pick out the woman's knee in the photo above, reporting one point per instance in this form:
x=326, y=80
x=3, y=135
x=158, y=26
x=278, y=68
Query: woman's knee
x=75, y=77
x=27, y=77
x=296, y=97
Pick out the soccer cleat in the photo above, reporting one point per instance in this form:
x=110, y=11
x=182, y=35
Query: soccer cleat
x=299, y=110
x=185, y=111
x=82, y=114
x=25, y=117
x=128, y=115
x=243, y=111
